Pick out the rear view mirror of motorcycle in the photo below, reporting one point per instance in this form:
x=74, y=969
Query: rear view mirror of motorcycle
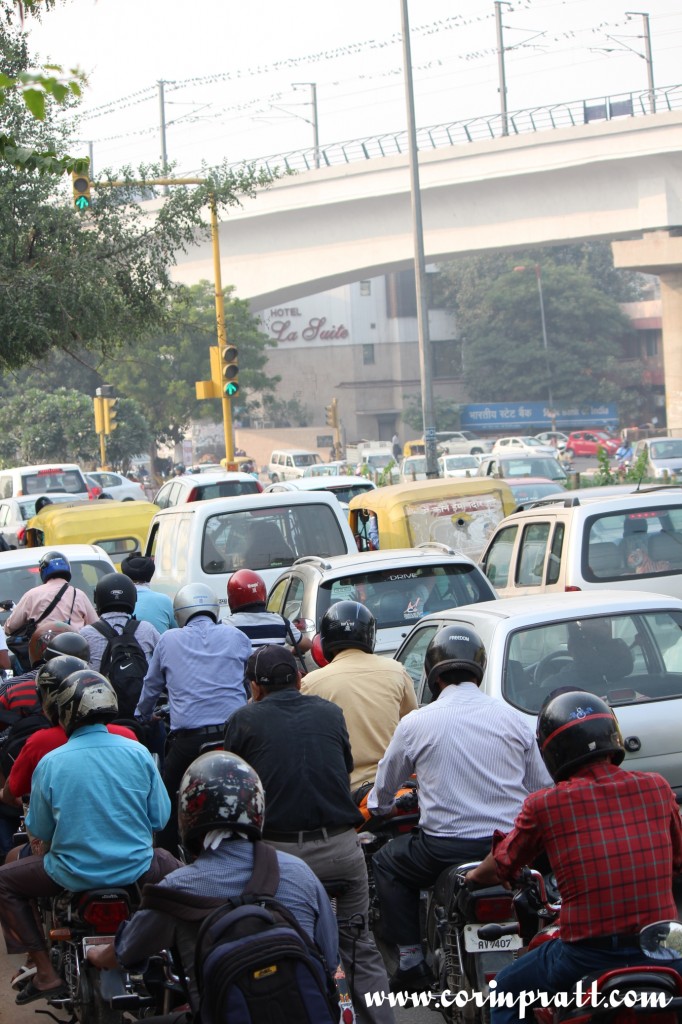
x=662, y=940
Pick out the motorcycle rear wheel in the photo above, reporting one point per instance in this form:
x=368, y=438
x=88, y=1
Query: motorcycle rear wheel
x=89, y=1007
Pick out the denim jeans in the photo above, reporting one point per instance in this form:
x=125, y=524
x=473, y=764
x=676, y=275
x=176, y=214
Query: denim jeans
x=556, y=966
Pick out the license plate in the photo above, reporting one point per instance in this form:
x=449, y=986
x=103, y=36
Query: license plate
x=473, y=944
x=90, y=941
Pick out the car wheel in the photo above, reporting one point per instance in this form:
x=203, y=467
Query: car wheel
x=128, y=499
x=477, y=451
x=569, y=452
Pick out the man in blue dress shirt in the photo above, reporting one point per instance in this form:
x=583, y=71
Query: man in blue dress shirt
x=201, y=667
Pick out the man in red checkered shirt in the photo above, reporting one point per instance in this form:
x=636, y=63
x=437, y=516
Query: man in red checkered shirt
x=613, y=838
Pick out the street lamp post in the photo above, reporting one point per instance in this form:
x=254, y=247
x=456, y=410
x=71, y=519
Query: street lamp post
x=648, y=57
x=314, y=122
x=550, y=397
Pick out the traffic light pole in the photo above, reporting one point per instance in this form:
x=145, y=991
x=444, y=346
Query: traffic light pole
x=219, y=304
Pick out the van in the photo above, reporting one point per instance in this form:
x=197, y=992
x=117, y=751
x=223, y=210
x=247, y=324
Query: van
x=206, y=541
x=288, y=465
x=118, y=527
x=64, y=478
x=460, y=514
x=627, y=541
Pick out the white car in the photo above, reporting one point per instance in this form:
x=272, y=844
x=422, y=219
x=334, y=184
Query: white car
x=520, y=445
x=554, y=438
x=622, y=646
x=117, y=486
x=458, y=465
x=16, y=512
x=664, y=457
x=343, y=487
x=19, y=571
x=202, y=486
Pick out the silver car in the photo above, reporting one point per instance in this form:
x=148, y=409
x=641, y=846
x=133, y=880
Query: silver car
x=623, y=647
x=664, y=457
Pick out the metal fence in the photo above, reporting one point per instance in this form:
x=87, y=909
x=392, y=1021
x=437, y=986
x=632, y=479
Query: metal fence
x=534, y=119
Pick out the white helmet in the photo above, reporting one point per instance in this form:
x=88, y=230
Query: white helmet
x=195, y=599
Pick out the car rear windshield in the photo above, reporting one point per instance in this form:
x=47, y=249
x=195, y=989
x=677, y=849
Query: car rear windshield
x=223, y=489
x=309, y=459
x=624, y=659
x=15, y=582
x=344, y=492
x=46, y=480
x=532, y=466
x=641, y=542
x=269, y=538
x=400, y=596
x=671, y=449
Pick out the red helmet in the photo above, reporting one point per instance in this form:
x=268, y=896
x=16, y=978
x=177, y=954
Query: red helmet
x=245, y=588
x=316, y=651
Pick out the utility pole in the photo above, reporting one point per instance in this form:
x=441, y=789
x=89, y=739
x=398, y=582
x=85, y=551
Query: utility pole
x=162, y=127
x=648, y=58
x=500, y=66
x=314, y=122
x=419, y=261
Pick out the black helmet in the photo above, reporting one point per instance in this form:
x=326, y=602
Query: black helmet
x=219, y=790
x=85, y=696
x=54, y=565
x=51, y=676
x=347, y=624
x=115, y=592
x=458, y=649
x=575, y=727
x=70, y=643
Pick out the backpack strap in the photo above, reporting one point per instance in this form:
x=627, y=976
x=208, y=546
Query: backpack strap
x=105, y=629
x=54, y=602
x=130, y=627
x=265, y=876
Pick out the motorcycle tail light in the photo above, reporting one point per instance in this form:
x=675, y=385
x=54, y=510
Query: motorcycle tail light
x=60, y=934
x=491, y=909
x=106, y=917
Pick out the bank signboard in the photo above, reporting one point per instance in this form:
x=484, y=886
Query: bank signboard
x=520, y=417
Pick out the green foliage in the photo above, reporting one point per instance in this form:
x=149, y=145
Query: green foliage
x=610, y=474
x=446, y=414
x=283, y=412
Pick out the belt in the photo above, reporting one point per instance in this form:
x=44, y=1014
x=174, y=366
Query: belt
x=610, y=942
x=207, y=730
x=306, y=837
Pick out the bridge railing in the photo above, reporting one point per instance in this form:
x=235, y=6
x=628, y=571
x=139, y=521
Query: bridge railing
x=533, y=119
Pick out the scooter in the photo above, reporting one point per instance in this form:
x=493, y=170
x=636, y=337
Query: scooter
x=650, y=994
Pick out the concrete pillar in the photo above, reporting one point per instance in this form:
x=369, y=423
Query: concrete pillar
x=660, y=253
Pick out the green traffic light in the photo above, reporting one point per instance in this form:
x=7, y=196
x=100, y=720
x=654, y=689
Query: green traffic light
x=232, y=388
x=82, y=203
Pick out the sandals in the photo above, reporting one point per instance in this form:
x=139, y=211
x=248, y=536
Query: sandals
x=29, y=993
x=25, y=972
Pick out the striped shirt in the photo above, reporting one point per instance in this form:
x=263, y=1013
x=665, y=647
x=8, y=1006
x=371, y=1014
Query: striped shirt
x=475, y=758
x=264, y=627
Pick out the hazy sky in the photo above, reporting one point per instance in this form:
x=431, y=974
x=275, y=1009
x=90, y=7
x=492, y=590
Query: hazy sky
x=230, y=67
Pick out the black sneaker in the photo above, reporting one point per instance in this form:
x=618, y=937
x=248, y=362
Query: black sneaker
x=414, y=979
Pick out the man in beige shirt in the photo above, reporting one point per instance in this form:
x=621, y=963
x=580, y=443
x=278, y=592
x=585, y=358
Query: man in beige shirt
x=373, y=692
x=73, y=607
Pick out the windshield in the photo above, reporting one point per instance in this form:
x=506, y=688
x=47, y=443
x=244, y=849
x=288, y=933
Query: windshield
x=380, y=461
x=647, y=542
x=624, y=659
x=666, y=449
x=461, y=462
x=47, y=480
x=308, y=459
x=223, y=489
x=548, y=468
x=399, y=596
x=269, y=538
x=344, y=492
x=15, y=582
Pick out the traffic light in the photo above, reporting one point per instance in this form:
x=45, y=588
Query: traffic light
x=110, y=414
x=332, y=414
x=98, y=404
x=82, y=199
x=230, y=370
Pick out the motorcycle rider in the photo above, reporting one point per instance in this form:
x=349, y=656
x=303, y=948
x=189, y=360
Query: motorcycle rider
x=613, y=839
x=220, y=809
x=151, y=605
x=97, y=801
x=374, y=693
x=115, y=598
x=72, y=607
x=299, y=746
x=246, y=597
x=202, y=667
x=475, y=759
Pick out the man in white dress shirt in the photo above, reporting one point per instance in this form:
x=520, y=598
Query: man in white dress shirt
x=476, y=760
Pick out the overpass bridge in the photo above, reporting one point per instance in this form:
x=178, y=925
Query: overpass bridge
x=618, y=179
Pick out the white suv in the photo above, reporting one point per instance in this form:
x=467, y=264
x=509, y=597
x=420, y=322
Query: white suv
x=631, y=541
x=64, y=478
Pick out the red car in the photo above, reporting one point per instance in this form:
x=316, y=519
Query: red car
x=588, y=442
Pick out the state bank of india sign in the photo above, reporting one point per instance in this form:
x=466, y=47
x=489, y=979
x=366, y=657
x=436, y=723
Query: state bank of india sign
x=281, y=326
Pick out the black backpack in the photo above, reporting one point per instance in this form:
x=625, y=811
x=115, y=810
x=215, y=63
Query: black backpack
x=254, y=964
x=124, y=663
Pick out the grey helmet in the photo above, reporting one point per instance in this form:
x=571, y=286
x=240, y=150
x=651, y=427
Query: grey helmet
x=195, y=599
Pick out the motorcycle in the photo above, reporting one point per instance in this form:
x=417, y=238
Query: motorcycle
x=75, y=922
x=635, y=988
x=465, y=960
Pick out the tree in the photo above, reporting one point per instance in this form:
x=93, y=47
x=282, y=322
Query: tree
x=499, y=318
x=446, y=415
x=97, y=280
